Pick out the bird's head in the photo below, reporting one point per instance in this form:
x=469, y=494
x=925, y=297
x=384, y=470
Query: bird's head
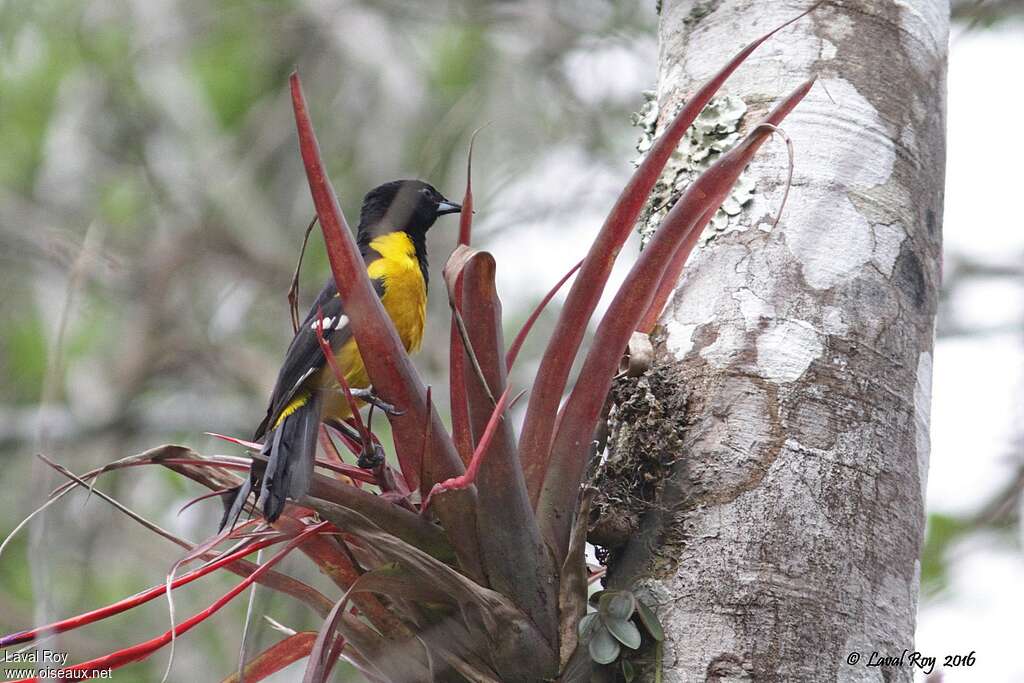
x=408, y=205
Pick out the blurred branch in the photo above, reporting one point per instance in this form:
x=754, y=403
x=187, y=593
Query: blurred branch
x=986, y=12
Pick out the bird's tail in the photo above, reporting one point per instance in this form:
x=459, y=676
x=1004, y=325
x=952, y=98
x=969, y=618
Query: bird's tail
x=291, y=449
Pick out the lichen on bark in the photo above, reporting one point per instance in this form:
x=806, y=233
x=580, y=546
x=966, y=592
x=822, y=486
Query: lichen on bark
x=715, y=130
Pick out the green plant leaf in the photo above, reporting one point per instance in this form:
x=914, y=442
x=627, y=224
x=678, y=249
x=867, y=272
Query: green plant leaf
x=628, y=671
x=625, y=631
x=587, y=625
x=650, y=621
x=604, y=649
x=618, y=605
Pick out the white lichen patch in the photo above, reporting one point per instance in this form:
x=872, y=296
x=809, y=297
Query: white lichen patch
x=753, y=308
x=696, y=303
x=706, y=276
x=828, y=229
x=831, y=240
x=714, y=131
x=922, y=417
x=722, y=352
x=828, y=51
x=833, y=323
x=888, y=239
x=679, y=337
x=786, y=349
x=855, y=157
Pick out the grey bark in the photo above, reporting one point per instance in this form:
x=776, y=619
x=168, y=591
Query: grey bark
x=784, y=425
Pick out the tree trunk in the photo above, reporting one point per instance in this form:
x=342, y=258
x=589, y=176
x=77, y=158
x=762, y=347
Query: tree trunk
x=784, y=424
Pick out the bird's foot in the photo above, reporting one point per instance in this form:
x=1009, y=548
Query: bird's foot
x=368, y=396
x=372, y=456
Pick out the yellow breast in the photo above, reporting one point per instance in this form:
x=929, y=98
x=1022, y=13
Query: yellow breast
x=405, y=292
x=404, y=299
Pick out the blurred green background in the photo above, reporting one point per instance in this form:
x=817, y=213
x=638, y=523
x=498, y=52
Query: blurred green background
x=152, y=204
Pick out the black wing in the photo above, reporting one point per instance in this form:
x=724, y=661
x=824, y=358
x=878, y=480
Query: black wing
x=304, y=357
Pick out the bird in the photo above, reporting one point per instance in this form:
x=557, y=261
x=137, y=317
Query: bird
x=391, y=236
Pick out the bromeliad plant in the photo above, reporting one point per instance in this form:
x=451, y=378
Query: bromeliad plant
x=466, y=561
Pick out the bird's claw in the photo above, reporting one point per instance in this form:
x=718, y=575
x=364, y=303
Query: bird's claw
x=368, y=396
x=371, y=456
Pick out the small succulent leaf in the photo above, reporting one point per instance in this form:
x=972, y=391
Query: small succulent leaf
x=595, y=597
x=628, y=671
x=650, y=621
x=587, y=625
x=625, y=631
x=604, y=648
x=620, y=605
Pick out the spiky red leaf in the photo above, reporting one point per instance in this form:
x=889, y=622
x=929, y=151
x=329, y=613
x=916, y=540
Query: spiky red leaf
x=579, y=417
x=276, y=657
x=504, y=513
x=546, y=393
x=140, y=651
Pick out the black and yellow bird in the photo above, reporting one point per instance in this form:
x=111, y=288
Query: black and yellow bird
x=393, y=225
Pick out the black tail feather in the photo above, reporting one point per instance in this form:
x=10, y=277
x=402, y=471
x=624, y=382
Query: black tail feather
x=233, y=506
x=291, y=449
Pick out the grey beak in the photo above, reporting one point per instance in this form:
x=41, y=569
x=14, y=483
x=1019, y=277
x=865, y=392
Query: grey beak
x=447, y=207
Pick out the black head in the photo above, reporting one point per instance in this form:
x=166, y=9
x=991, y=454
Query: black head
x=408, y=205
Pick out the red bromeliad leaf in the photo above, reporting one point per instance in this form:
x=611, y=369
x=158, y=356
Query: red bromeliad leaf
x=142, y=650
x=143, y=597
x=387, y=580
x=579, y=417
x=276, y=657
x=461, y=434
x=553, y=373
x=467, y=479
x=393, y=376
x=395, y=519
x=573, y=584
x=321, y=654
x=466, y=215
x=672, y=273
x=456, y=354
x=503, y=507
x=517, y=343
x=251, y=445
x=272, y=579
x=670, y=278
x=485, y=622
x=335, y=561
x=135, y=653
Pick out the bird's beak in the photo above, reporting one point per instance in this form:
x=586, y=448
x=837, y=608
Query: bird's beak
x=448, y=207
